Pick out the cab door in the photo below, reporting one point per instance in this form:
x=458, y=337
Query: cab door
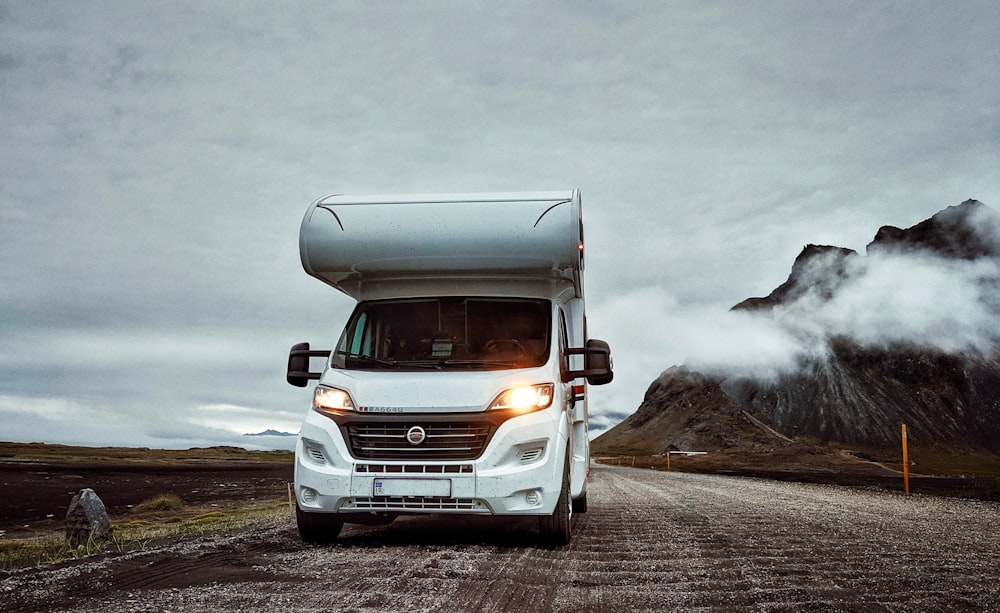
x=574, y=391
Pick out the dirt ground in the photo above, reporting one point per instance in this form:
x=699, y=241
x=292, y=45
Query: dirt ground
x=650, y=541
x=39, y=486
x=37, y=493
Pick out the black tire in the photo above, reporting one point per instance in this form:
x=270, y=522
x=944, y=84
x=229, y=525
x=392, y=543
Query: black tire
x=556, y=529
x=580, y=504
x=317, y=527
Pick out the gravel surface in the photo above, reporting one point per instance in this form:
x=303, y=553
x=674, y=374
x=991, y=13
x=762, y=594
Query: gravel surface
x=651, y=541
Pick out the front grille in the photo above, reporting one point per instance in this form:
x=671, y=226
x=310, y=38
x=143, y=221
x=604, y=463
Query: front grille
x=429, y=469
x=395, y=503
x=444, y=440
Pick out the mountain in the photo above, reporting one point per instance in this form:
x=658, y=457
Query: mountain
x=966, y=231
x=684, y=410
x=862, y=396
x=270, y=432
x=818, y=268
x=857, y=391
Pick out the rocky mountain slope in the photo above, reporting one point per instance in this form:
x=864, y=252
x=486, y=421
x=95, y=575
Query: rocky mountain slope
x=860, y=388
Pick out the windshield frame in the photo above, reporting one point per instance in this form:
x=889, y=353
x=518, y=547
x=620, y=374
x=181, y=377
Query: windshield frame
x=456, y=333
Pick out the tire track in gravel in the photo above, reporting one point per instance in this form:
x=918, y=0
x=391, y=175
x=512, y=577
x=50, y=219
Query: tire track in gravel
x=803, y=546
x=651, y=541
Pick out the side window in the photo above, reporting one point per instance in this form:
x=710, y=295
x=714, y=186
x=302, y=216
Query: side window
x=563, y=342
x=359, y=341
x=355, y=339
x=563, y=335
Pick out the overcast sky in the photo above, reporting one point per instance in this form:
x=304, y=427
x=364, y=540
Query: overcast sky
x=156, y=160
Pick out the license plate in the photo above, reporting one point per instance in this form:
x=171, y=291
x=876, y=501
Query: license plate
x=412, y=487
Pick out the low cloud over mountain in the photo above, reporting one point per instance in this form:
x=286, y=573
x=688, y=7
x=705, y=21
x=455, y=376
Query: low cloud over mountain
x=858, y=345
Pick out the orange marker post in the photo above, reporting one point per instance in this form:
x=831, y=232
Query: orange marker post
x=906, y=465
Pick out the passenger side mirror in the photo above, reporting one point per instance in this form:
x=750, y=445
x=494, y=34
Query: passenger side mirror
x=298, y=364
x=597, y=363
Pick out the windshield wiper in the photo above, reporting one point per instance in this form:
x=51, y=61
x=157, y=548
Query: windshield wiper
x=389, y=362
x=439, y=364
x=369, y=359
x=436, y=364
x=478, y=362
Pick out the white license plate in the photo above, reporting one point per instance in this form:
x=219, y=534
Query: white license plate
x=412, y=487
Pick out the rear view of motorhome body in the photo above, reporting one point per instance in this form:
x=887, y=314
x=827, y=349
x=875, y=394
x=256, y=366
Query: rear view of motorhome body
x=459, y=384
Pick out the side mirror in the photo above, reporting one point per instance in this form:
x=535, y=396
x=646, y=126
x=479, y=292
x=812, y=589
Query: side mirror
x=298, y=364
x=597, y=363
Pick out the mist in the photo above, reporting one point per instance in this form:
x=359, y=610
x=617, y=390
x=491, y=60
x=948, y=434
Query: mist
x=919, y=299
x=888, y=299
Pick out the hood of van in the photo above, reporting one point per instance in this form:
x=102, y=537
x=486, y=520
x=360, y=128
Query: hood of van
x=434, y=391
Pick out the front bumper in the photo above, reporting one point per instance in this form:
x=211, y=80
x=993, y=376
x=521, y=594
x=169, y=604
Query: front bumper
x=518, y=473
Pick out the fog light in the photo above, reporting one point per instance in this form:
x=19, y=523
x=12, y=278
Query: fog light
x=308, y=494
x=533, y=497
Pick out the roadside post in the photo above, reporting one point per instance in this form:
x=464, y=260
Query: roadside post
x=906, y=465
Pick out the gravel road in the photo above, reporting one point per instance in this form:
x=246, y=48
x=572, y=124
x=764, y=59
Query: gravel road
x=651, y=541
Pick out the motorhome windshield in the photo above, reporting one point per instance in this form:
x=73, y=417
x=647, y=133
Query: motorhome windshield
x=446, y=333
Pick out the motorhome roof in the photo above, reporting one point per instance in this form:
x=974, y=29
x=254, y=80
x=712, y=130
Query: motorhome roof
x=549, y=196
x=365, y=244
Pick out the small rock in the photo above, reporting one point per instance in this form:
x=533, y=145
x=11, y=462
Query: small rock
x=87, y=519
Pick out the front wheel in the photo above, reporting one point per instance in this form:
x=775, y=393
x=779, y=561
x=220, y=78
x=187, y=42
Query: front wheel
x=556, y=529
x=317, y=527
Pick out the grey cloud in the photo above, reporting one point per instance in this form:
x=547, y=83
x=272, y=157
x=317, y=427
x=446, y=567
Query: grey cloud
x=157, y=162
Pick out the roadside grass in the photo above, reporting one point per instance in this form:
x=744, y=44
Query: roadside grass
x=934, y=460
x=12, y=451
x=163, y=502
x=933, y=471
x=154, y=521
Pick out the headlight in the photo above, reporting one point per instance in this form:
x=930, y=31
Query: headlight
x=331, y=399
x=524, y=399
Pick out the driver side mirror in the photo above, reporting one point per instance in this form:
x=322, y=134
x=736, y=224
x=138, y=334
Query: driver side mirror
x=597, y=363
x=298, y=364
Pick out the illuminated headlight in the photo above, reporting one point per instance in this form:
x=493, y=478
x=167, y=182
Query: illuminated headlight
x=331, y=400
x=524, y=399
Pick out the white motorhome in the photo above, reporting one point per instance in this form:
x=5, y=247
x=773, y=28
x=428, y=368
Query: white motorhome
x=459, y=384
